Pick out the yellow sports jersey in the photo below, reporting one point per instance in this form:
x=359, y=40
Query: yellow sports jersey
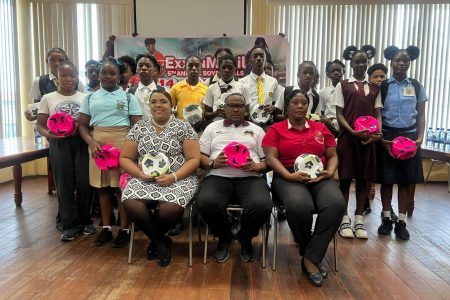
x=184, y=94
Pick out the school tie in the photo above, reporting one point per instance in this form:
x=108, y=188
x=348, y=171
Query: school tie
x=56, y=82
x=225, y=88
x=361, y=91
x=260, y=91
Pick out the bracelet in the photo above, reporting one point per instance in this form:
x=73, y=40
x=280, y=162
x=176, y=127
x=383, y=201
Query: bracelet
x=175, y=176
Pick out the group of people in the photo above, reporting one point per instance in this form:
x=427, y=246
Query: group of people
x=144, y=119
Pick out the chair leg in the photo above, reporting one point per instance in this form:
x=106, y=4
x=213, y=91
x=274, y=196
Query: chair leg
x=130, y=247
x=264, y=245
x=429, y=171
x=275, y=238
x=190, y=236
x=205, y=251
x=335, y=252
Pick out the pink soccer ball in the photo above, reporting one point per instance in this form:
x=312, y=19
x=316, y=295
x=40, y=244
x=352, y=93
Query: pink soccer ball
x=237, y=154
x=403, y=148
x=124, y=179
x=61, y=124
x=108, y=158
x=366, y=123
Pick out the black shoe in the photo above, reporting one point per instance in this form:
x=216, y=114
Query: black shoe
x=103, y=237
x=400, y=231
x=323, y=271
x=59, y=226
x=122, y=239
x=176, y=230
x=246, y=249
x=152, y=252
x=315, y=278
x=386, y=226
x=393, y=215
x=221, y=254
x=367, y=209
x=164, y=257
x=70, y=234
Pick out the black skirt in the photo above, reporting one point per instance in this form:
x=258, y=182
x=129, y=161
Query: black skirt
x=395, y=171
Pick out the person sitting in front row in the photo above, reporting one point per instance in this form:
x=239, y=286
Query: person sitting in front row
x=225, y=184
x=299, y=193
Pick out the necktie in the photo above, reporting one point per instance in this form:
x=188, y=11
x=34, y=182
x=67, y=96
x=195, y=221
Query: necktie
x=56, y=81
x=260, y=91
x=361, y=91
x=225, y=88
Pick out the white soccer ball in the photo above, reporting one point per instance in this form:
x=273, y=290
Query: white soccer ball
x=258, y=114
x=193, y=113
x=155, y=165
x=309, y=164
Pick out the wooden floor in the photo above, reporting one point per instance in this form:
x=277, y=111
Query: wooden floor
x=34, y=263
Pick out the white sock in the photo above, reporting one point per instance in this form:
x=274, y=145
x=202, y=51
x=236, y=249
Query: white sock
x=345, y=219
x=387, y=214
x=359, y=219
x=108, y=227
x=402, y=217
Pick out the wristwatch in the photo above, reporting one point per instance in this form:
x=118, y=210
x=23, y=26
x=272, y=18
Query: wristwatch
x=211, y=163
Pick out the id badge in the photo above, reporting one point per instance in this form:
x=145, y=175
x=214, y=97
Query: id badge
x=408, y=91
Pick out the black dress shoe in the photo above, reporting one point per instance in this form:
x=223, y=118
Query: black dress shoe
x=164, y=257
x=323, y=271
x=315, y=278
x=152, y=252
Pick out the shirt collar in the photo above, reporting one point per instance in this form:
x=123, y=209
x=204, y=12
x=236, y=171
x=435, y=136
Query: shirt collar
x=51, y=76
x=227, y=123
x=151, y=86
x=353, y=79
x=222, y=83
x=185, y=83
x=103, y=92
x=289, y=125
x=392, y=79
x=309, y=92
x=255, y=77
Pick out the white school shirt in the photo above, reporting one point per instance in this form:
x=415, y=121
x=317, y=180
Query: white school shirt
x=339, y=97
x=217, y=136
x=327, y=100
x=35, y=93
x=143, y=96
x=214, y=97
x=56, y=103
x=272, y=91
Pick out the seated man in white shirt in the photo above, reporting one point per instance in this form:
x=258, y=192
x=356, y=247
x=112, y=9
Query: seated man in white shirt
x=147, y=66
x=227, y=185
x=259, y=88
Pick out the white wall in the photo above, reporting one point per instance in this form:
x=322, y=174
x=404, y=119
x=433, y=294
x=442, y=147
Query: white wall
x=190, y=18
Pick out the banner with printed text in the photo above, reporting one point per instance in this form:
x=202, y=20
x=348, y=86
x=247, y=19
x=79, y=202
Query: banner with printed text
x=171, y=52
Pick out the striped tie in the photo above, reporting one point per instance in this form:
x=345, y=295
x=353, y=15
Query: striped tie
x=56, y=81
x=260, y=91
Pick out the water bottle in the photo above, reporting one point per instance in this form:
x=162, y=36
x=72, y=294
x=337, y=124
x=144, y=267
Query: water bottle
x=437, y=135
x=447, y=141
x=443, y=139
x=430, y=137
x=37, y=138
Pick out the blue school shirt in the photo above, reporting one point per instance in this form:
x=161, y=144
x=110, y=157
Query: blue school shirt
x=109, y=109
x=400, y=111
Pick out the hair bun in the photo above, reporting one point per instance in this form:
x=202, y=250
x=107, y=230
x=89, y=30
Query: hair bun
x=370, y=50
x=390, y=51
x=413, y=52
x=348, y=52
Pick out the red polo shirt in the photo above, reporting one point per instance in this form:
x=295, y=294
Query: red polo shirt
x=291, y=143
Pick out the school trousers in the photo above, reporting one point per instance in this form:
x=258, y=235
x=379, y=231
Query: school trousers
x=301, y=201
x=217, y=192
x=69, y=159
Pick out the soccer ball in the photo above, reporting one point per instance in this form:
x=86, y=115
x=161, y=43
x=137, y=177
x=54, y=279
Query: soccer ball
x=193, y=113
x=313, y=117
x=309, y=164
x=155, y=165
x=237, y=154
x=61, y=124
x=366, y=123
x=403, y=148
x=108, y=158
x=259, y=115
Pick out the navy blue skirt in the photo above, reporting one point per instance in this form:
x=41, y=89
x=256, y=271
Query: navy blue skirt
x=395, y=171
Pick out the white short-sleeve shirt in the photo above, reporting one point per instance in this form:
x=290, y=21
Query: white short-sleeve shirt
x=272, y=91
x=56, y=103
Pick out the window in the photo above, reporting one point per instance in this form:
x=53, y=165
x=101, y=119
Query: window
x=9, y=92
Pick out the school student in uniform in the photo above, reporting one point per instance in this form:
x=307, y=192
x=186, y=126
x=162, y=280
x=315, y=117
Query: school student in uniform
x=356, y=97
x=220, y=52
x=130, y=70
x=305, y=76
x=91, y=71
x=259, y=88
x=146, y=68
x=403, y=114
x=214, y=97
x=105, y=118
x=335, y=71
x=68, y=155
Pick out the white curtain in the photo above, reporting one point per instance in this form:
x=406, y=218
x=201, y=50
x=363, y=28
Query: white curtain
x=321, y=32
x=79, y=27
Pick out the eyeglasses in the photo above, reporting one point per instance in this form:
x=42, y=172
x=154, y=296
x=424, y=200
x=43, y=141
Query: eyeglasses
x=235, y=105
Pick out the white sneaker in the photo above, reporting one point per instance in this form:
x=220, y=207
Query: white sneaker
x=345, y=230
x=360, y=230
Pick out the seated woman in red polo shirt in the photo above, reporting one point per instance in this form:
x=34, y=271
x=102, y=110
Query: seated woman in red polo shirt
x=300, y=195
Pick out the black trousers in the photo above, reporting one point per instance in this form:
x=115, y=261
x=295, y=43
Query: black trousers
x=69, y=159
x=252, y=193
x=301, y=201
